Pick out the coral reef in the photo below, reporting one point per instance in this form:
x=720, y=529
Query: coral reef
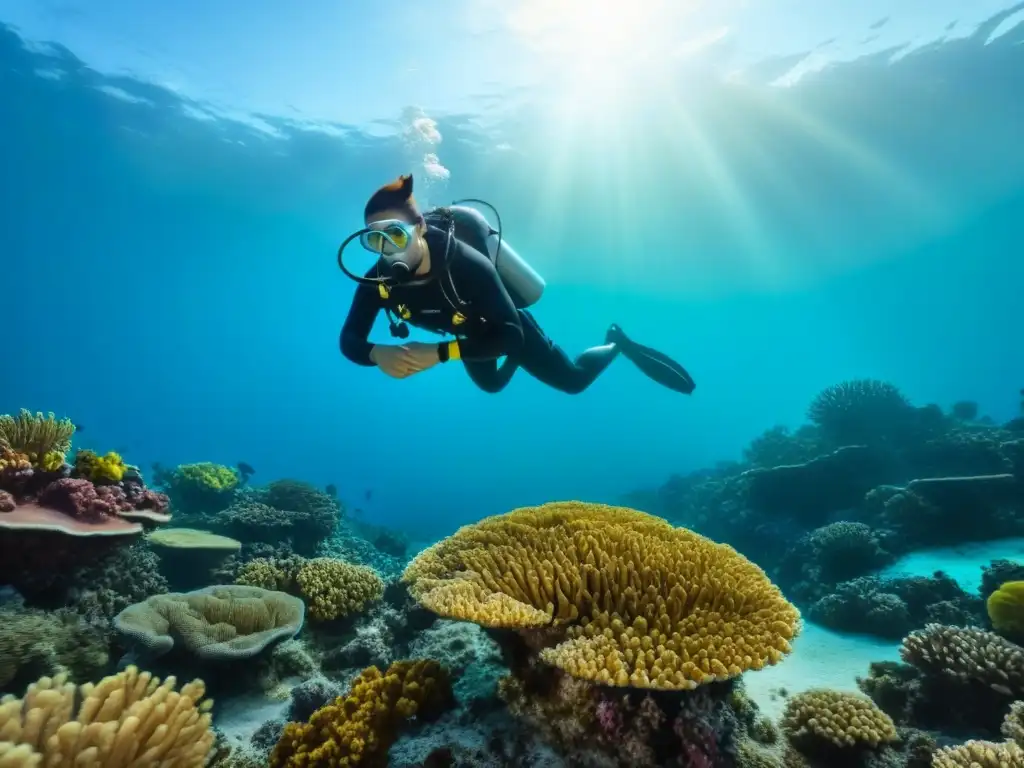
x=42, y=440
x=987, y=754
x=686, y=612
x=127, y=720
x=892, y=607
x=213, y=624
x=861, y=412
x=979, y=672
x=35, y=643
x=358, y=729
x=331, y=588
x=203, y=487
x=109, y=468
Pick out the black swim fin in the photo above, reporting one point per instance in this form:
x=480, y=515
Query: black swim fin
x=654, y=364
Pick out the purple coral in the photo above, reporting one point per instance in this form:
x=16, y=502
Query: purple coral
x=140, y=497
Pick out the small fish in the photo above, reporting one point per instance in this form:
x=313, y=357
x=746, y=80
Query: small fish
x=246, y=469
x=78, y=427
x=369, y=494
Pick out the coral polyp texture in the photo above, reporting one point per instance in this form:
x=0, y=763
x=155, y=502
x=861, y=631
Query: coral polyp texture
x=967, y=654
x=629, y=599
x=331, y=588
x=987, y=754
x=127, y=720
x=358, y=729
x=860, y=411
x=821, y=718
x=109, y=468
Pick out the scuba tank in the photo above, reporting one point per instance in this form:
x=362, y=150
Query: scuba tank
x=522, y=282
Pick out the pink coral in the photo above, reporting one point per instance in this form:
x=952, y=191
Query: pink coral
x=7, y=503
x=140, y=497
x=80, y=499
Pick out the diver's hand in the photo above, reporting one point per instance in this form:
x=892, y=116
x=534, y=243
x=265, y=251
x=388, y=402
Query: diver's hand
x=421, y=356
x=393, y=360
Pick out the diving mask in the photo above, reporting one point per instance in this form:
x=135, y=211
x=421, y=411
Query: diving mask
x=388, y=237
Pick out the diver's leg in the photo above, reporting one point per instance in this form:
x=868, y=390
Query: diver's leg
x=488, y=375
x=547, y=362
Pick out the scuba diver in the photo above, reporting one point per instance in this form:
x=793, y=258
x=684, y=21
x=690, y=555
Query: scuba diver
x=449, y=272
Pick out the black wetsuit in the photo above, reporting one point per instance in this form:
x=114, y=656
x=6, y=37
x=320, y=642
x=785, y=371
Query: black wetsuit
x=494, y=324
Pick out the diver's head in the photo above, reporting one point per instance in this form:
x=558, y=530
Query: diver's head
x=396, y=229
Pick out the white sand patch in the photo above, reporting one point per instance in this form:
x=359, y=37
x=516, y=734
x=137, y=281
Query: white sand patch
x=821, y=658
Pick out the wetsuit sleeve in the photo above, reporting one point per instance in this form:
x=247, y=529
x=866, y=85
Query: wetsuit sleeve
x=490, y=300
x=355, y=334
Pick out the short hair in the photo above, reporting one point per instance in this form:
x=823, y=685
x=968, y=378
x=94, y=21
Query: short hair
x=394, y=196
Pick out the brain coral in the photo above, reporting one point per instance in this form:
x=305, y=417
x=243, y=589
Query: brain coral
x=820, y=717
x=1006, y=608
x=223, y=622
x=629, y=599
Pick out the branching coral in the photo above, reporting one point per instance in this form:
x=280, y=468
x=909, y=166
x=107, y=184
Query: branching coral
x=331, y=588
x=128, y=720
x=356, y=730
x=820, y=718
x=43, y=439
x=627, y=599
x=968, y=655
x=860, y=411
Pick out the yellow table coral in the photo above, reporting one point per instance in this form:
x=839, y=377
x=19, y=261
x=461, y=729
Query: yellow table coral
x=630, y=599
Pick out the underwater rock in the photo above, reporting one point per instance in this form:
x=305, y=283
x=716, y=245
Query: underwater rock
x=949, y=510
x=471, y=656
x=811, y=491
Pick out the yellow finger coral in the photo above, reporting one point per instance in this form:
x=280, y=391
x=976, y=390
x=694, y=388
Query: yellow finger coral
x=109, y=468
x=822, y=718
x=127, y=720
x=358, y=729
x=629, y=599
x=1006, y=608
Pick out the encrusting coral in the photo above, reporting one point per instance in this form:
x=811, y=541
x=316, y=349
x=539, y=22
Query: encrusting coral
x=215, y=623
x=821, y=719
x=628, y=599
x=357, y=729
x=34, y=642
x=331, y=588
x=127, y=720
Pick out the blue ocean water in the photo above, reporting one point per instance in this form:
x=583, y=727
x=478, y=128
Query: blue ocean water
x=792, y=198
